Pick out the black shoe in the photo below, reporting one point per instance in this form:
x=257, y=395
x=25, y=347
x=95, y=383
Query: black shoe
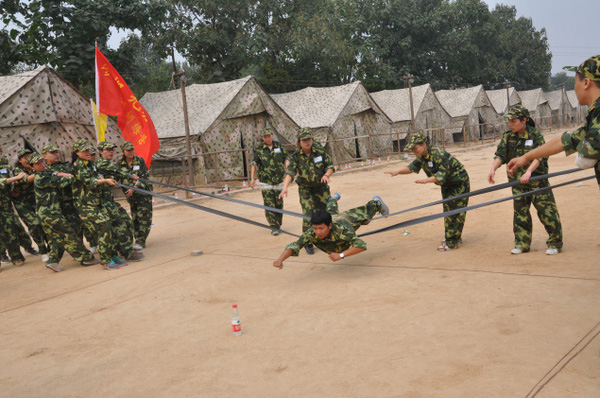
x=32, y=251
x=310, y=249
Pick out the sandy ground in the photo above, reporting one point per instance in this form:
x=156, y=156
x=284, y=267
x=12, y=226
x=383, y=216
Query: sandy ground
x=400, y=320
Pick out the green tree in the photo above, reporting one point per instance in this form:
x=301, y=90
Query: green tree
x=561, y=78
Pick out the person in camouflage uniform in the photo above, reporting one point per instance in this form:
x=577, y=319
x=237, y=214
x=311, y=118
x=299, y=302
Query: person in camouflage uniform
x=9, y=221
x=122, y=227
x=444, y=170
x=520, y=139
x=140, y=204
x=586, y=139
x=23, y=198
x=89, y=204
x=48, y=187
x=312, y=167
x=271, y=159
x=334, y=232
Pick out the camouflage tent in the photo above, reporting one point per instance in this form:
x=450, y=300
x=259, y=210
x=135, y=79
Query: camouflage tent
x=40, y=107
x=340, y=113
x=223, y=117
x=429, y=114
x=559, y=105
x=577, y=112
x=498, y=99
x=537, y=104
x=471, y=111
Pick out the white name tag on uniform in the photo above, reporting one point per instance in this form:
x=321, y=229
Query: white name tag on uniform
x=277, y=150
x=318, y=159
x=528, y=142
x=136, y=168
x=430, y=164
x=4, y=171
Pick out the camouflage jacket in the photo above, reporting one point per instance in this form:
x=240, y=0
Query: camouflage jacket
x=5, y=189
x=309, y=170
x=270, y=163
x=107, y=169
x=439, y=163
x=586, y=139
x=66, y=192
x=341, y=238
x=23, y=190
x=512, y=146
x=48, y=188
x=137, y=167
x=85, y=190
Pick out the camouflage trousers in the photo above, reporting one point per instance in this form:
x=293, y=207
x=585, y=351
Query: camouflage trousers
x=141, y=217
x=121, y=228
x=27, y=212
x=547, y=211
x=98, y=218
x=311, y=199
x=9, y=234
x=358, y=216
x=271, y=199
x=62, y=236
x=453, y=225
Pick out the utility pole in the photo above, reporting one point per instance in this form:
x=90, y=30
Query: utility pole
x=190, y=165
x=410, y=79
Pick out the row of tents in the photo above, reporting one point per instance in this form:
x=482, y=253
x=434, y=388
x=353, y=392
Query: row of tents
x=39, y=107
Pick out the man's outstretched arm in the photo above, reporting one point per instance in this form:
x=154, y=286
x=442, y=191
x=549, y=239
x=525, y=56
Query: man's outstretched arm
x=284, y=256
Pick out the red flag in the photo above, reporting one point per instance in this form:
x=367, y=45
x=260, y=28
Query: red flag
x=114, y=97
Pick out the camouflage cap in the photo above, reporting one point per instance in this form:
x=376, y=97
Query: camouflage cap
x=3, y=159
x=81, y=145
x=590, y=68
x=93, y=151
x=517, y=112
x=266, y=131
x=106, y=145
x=23, y=152
x=49, y=148
x=305, y=133
x=127, y=146
x=34, y=158
x=416, y=139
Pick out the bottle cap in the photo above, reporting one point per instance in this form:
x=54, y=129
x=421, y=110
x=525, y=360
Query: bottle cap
x=235, y=306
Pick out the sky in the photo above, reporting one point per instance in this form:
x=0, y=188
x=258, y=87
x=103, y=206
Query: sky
x=569, y=27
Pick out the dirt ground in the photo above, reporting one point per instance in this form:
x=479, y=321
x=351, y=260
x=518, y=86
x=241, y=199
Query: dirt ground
x=399, y=320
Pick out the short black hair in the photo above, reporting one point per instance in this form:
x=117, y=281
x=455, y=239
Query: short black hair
x=581, y=77
x=320, y=217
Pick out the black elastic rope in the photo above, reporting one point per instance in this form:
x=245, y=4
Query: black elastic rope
x=273, y=209
x=464, y=209
x=209, y=210
x=485, y=190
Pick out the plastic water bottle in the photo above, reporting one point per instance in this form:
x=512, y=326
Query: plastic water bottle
x=244, y=182
x=236, y=323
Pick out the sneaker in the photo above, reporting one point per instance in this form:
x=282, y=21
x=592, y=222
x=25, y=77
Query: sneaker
x=516, y=250
x=87, y=263
x=45, y=258
x=19, y=263
x=444, y=248
x=310, y=249
x=93, y=249
x=54, y=267
x=136, y=256
x=32, y=251
x=384, y=210
x=336, y=196
x=110, y=265
x=275, y=232
x=552, y=251
x=119, y=261
x=4, y=258
x=137, y=247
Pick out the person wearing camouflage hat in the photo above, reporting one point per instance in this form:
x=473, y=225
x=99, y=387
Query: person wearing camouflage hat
x=122, y=227
x=48, y=185
x=10, y=223
x=89, y=204
x=585, y=141
x=140, y=204
x=444, y=170
x=312, y=168
x=522, y=138
x=334, y=232
x=271, y=159
x=23, y=197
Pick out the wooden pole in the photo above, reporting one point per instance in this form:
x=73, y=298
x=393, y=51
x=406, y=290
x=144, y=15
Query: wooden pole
x=190, y=166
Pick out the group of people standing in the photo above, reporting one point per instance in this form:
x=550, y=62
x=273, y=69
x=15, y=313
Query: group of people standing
x=61, y=203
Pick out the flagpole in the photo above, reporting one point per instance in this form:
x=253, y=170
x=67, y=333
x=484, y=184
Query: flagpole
x=95, y=121
x=96, y=76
